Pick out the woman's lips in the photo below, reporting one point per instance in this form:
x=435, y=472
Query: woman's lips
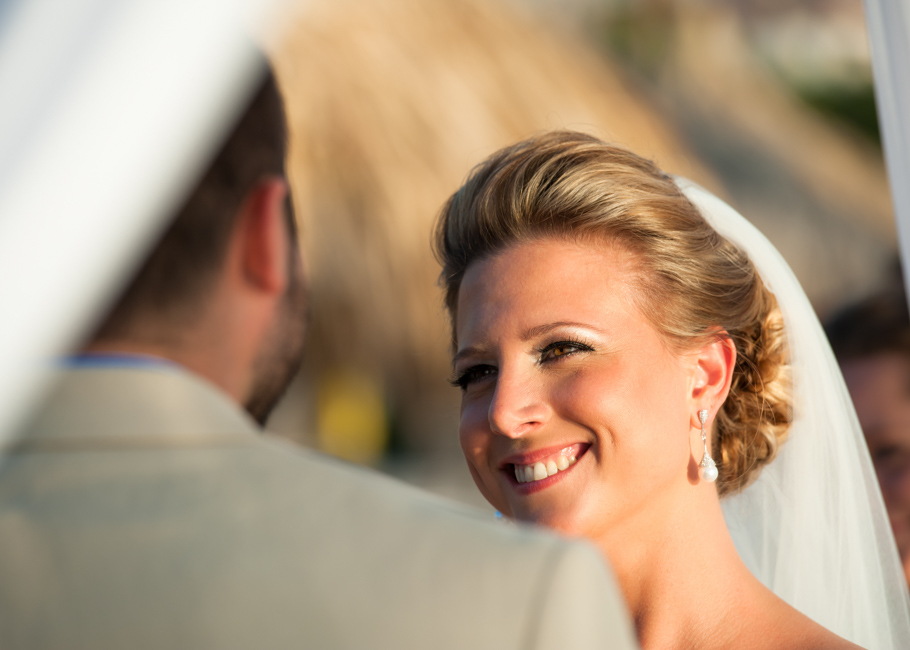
x=540, y=468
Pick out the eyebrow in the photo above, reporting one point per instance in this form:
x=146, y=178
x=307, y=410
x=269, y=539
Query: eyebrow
x=527, y=335
x=539, y=330
x=467, y=352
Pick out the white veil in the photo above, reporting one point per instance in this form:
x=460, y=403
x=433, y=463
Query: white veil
x=813, y=527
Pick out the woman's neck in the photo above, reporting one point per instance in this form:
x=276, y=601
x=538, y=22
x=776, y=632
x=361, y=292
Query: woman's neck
x=681, y=584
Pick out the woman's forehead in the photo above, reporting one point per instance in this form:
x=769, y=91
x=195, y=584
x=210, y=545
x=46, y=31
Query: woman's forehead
x=545, y=280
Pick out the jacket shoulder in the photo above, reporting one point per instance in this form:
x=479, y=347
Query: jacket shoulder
x=525, y=587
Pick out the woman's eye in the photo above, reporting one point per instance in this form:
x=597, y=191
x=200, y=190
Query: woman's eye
x=562, y=349
x=473, y=375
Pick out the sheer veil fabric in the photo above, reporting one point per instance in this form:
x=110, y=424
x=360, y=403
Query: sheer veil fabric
x=813, y=527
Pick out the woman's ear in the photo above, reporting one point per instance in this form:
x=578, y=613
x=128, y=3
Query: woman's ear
x=713, y=373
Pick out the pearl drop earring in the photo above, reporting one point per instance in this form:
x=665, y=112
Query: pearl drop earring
x=707, y=468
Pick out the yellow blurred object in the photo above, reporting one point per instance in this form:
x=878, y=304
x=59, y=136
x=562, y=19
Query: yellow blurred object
x=351, y=417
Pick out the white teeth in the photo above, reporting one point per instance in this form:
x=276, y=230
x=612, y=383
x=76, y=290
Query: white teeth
x=541, y=470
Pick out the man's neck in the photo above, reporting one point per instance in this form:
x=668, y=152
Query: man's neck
x=194, y=358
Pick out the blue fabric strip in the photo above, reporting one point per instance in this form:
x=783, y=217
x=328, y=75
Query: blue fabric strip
x=115, y=360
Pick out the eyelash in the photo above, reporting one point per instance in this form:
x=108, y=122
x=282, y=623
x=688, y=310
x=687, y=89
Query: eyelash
x=576, y=345
x=479, y=372
x=472, y=374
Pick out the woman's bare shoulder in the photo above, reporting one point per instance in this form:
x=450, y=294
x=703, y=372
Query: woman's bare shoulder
x=769, y=622
x=796, y=630
x=821, y=637
x=815, y=636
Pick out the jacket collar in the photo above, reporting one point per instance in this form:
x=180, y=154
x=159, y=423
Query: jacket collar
x=135, y=406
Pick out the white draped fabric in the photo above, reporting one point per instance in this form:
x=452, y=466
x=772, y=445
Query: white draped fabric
x=109, y=109
x=888, y=23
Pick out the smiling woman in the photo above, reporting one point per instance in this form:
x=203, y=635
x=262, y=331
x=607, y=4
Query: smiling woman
x=561, y=365
x=690, y=284
x=609, y=343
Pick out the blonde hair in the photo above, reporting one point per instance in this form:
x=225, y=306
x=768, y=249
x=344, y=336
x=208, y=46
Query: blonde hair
x=693, y=284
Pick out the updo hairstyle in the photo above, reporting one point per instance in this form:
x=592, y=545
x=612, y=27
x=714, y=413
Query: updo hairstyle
x=693, y=285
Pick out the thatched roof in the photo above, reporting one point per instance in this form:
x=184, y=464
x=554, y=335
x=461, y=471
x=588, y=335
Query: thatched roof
x=391, y=103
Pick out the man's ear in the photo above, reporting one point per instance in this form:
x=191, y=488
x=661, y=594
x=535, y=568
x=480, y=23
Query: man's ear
x=713, y=373
x=262, y=237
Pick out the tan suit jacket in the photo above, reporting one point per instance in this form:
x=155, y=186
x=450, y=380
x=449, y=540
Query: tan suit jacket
x=143, y=509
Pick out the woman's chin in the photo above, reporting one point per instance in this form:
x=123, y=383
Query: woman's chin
x=554, y=518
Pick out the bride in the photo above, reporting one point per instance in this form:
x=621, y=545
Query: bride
x=639, y=367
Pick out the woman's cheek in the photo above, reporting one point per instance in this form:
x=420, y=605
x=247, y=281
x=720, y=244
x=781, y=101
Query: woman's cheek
x=473, y=433
x=475, y=439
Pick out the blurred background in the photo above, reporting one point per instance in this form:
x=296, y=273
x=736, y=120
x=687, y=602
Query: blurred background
x=391, y=102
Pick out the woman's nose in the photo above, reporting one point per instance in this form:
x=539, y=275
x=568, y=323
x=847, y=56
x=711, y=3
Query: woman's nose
x=518, y=406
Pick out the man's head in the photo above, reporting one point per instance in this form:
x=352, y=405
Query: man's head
x=871, y=340
x=223, y=291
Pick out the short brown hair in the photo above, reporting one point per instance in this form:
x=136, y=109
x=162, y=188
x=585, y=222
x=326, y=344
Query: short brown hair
x=183, y=264
x=693, y=283
x=877, y=324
